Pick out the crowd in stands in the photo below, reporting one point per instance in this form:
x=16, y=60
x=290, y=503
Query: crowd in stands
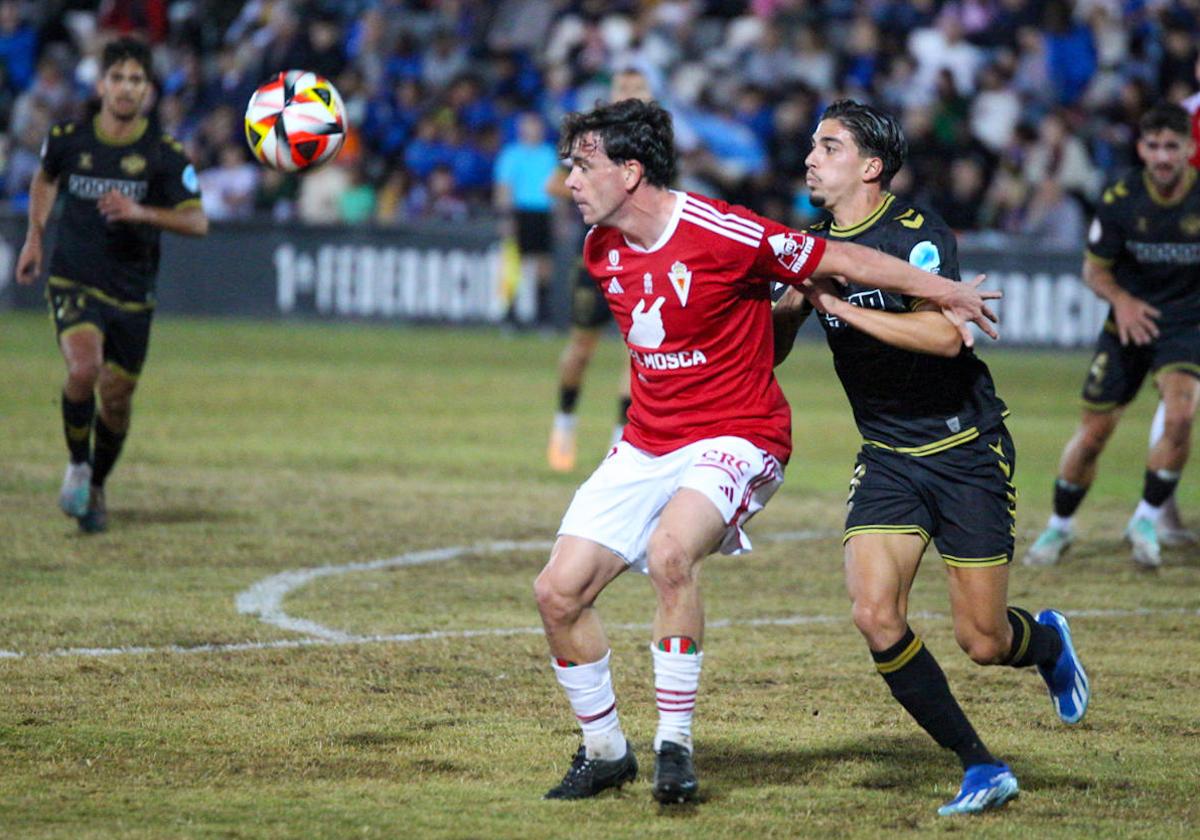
x=1016, y=111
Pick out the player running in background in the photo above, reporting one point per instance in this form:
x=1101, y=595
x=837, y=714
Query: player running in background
x=589, y=317
x=687, y=280
x=1143, y=257
x=936, y=462
x=123, y=182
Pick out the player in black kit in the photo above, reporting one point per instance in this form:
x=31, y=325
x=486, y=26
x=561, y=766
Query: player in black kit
x=1143, y=257
x=936, y=462
x=123, y=181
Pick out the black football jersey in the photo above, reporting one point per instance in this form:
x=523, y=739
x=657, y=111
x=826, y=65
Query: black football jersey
x=120, y=259
x=1152, y=247
x=912, y=402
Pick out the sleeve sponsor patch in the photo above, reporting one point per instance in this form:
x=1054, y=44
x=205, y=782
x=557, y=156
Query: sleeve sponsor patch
x=925, y=256
x=191, y=183
x=791, y=253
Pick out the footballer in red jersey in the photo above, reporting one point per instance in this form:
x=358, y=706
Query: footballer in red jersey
x=688, y=281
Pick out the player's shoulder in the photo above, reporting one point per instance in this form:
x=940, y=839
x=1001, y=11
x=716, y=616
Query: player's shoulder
x=169, y=141
x=722, y=221
x=598, y=241
x=65, y=129
x=1124, y=188
x=914, y=216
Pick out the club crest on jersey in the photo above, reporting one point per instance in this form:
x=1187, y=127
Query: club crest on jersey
x=1190, y=225
x=133, y=165
x=681, y=281
x=791, y=254
x=614, y=260
x=647, y=284
x=614, y=288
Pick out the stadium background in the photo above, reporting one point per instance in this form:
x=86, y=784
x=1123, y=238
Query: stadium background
x=1016, y=114
x=136, y=700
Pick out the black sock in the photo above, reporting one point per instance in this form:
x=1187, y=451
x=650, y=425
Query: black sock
x=1158, y=486
x=623, y=410
x=1067, y=497
x=567, y=398
x=108, y=449
x=1033, y=643
x=918, y=683
x=77, y=426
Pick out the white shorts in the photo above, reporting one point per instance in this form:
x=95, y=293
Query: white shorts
x=620, y=503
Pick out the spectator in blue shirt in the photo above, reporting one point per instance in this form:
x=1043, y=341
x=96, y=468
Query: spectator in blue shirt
x=18, y=45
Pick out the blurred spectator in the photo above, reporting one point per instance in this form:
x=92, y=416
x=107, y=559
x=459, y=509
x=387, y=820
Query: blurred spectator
x=1070, y=52
x=228, y=189
x=1054, y=218
x=961, y=203
x=995, y=110
x=24, y=157
x=18, y=45
x=319, y=202
x=943, y=47
x=356, y=204
x=1059, y=155
x=438, y=200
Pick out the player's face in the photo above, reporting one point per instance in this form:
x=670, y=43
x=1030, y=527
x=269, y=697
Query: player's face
x=123, y=89
x=598, y=184
x=1165, y=154
x=836, y=167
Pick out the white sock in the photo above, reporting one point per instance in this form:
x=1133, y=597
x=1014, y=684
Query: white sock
x=1156, y=425
x=1062, y=523
x=1145, y=510
x=589, y=691
x=676, y=681
x=565, y=422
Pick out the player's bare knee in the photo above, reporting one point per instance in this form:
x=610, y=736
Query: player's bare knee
x=880, y=622
x=82, y=374
x=556, y=605
x=983, y=648
x=669, y=565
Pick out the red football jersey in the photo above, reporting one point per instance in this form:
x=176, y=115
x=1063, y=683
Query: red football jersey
x=695, y=310
x=1192, y=104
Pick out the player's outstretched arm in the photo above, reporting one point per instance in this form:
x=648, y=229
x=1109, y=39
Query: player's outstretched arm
x=961, y=303
x=42, y=191
x=923, y=331
x=1135, y=318
x=188, y=220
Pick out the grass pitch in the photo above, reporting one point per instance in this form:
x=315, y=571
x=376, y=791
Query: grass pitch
x=136, y=701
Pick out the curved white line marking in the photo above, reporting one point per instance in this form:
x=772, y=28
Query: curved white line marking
x=265, y=600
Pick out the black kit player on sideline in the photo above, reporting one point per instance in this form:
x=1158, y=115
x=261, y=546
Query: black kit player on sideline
x=123, y=182
x=1143, y=257
x=936, y=462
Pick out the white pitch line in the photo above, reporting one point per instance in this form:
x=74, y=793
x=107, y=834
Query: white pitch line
x=265, y=600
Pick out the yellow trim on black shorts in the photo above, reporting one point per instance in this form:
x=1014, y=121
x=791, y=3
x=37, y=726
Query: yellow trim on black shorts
x=120, y=371
x=74, y=328
x=187, y=202
x=56, y=282
x=905, y=656
x=1097, y=259
x=976, y=562
x=1100, y=407
x=1186, y=367
x=857, y=530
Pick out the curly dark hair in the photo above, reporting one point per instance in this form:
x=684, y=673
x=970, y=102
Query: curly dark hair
x=877, y=134
x=627, y=130
x=1164, y=115
x=125, y=48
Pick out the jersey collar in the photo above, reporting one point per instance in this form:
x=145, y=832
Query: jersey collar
x=668, y=231
x=110, y=141
x=1189, y=178
x=855, y=229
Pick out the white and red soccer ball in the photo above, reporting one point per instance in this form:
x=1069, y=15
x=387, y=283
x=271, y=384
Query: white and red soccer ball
x=295, y=121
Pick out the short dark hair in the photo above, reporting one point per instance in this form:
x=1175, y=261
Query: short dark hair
x=877, y=134
x=126, y=48
x=1164, y=115
x=630, y=130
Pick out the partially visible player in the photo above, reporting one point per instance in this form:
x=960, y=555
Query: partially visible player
x=589, y=318
x=123, y=182
x=936, y=463
x=709, y=429
x=1143, y=257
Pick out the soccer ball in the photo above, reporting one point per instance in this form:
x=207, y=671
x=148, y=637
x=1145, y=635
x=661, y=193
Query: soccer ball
x=295, y=121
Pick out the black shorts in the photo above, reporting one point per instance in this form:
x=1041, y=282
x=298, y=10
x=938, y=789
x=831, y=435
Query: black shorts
x=1117, y=372
x=589, y=309
x=125, y=327
x=533, y=232
x=962, y=498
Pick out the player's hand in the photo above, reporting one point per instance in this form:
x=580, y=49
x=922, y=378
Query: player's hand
x=29, y=263
x=115, y=206
x=1135, y=320
x=964, y=304
x=822, y=293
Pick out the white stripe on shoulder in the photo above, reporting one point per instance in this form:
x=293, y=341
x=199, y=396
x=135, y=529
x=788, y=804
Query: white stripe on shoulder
x=732, y=219
x=707, y=223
